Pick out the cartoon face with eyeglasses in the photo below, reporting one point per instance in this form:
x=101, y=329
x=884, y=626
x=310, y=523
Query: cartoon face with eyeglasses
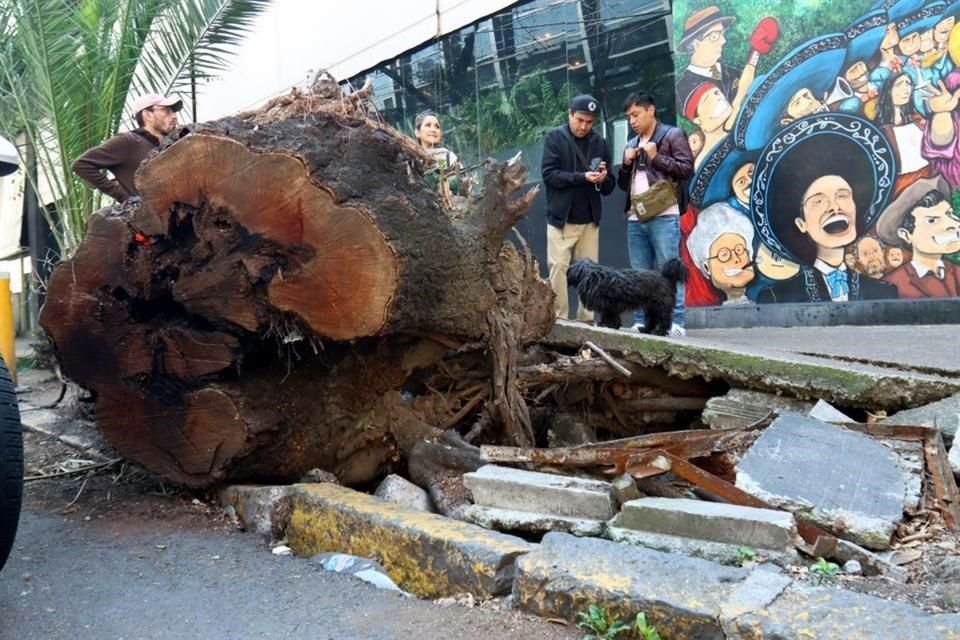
x=730, y=264
x=708, y=48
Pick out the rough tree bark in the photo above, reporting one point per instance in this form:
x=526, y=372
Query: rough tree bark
x=274, y=301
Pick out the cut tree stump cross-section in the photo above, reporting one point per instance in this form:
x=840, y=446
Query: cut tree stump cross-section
x=272, y=301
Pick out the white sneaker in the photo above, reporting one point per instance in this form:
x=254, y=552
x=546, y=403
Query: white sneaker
x=676, y=331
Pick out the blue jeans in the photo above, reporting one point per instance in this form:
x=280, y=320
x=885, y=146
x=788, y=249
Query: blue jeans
x=650, y=245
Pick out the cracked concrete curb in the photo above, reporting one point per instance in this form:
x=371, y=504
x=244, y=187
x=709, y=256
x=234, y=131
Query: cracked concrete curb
x=684, y=597
x=805, y=377
x=688, y=598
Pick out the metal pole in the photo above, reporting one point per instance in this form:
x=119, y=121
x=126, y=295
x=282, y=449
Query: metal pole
x=7, y=345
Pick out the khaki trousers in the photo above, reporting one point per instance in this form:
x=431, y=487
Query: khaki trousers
x=580, y=241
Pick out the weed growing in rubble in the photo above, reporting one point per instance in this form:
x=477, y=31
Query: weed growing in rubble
x=744, y=554
x=598, y=622
x=824, y=571
x=644, y=630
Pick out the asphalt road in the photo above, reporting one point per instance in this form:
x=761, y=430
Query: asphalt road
x=121, y=579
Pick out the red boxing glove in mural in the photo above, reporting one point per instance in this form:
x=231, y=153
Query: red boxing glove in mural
x=764, y=36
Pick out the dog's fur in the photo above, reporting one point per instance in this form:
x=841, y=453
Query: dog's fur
x=610, y=292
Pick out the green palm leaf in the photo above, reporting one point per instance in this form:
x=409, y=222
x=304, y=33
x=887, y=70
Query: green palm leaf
x=68, y=67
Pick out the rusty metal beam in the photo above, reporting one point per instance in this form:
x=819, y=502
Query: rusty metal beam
x=935, y=460
x=941, y=477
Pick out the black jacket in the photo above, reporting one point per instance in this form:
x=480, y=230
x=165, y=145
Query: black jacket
x=674, y=161
x=563, y=172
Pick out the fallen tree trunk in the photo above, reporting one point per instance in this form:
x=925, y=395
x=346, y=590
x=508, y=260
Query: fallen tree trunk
x=269, y=304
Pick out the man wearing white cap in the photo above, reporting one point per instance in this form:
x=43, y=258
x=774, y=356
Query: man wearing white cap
x=122, y=154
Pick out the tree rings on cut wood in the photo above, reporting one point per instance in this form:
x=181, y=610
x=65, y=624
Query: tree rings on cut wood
x=345, y=285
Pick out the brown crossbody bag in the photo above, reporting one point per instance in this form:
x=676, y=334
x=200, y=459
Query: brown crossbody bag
x=661, y=195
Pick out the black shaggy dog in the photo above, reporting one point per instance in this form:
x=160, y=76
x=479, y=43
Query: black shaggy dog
x=609, y=292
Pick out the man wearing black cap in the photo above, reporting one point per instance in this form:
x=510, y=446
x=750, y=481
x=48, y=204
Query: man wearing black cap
x=122, y=154
x=574, y=170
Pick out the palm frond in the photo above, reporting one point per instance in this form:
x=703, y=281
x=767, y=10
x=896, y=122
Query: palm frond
x=193, y=41
x=67, y=69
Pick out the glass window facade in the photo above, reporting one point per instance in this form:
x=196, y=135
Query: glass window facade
x=500, y=84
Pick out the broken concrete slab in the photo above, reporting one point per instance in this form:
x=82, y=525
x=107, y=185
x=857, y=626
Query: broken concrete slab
x=801, y=611
x=262, y=509
x=759, y=590
x=625, y=488
x=843, y=551
x=509, y=520
x=943, y=415
x=694, y=598
x=710, y=521
x=401, y=491
x=807, y=377
x=565, y=574
x=910, y=460
x=740, y=408
x=545, y=493
x=424, y=553
x=843, y=481
x=719, y=552
x=826, y=412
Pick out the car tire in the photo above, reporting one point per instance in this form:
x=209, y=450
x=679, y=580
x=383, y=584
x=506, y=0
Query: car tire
x=11, y=463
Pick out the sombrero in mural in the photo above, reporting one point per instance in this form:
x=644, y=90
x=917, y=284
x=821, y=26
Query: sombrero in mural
x=814, y=65
x=898, y=9
x=864, y=36
x=893, y=215
x=923, y=19
x=819, y=145
x=952, y=10
x=702, y=179
x=717, y=187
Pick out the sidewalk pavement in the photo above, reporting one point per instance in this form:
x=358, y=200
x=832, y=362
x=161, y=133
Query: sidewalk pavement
x=927, y=348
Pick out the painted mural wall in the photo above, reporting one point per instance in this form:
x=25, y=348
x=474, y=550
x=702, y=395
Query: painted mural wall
x=826, y=135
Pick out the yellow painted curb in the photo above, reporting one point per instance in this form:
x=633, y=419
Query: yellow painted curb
x=426, y=554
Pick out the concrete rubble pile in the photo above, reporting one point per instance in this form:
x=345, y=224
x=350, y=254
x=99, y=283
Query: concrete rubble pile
x=721, y=521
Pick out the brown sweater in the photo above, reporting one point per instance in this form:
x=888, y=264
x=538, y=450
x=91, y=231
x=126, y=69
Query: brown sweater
x=121, y=155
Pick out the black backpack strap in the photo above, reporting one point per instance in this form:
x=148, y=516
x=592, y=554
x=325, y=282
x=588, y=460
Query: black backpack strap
x=576, y=148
